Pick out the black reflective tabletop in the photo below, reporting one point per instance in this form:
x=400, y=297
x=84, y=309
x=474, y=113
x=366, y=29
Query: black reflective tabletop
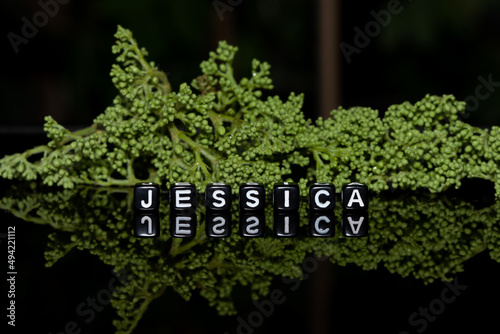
x=422, y=263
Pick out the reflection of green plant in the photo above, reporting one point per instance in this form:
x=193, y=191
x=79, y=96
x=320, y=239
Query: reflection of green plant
x=220, y=129
x=416, y=234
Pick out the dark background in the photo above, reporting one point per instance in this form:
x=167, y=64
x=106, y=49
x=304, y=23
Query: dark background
x=436, y=47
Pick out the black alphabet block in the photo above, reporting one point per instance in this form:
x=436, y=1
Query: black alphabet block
x=146, y=196
x=355, y=196
x=183, y=224
x=218, y=224
x=252, y=197
x=285, y=224
x=146, y=225
x=322, y=224
x=252, y=224
x=218, y=197
x=183, y=196
x=354, y=223
x=286, y=196
x=322, y=196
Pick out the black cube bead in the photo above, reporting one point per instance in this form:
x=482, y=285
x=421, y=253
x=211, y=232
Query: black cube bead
x=354, y=223
x=355, y=196
x=285, y=224
x=218, y=197
x=252, y=224
x=183, y=224
x=322, y=224
x=286, y=196
x=322, y=196
x=252, y=197
x=146, y=225
x=146, y=196
x=218, y=224
x=182, y=196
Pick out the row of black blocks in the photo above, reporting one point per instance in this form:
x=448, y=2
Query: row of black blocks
x=218, y=201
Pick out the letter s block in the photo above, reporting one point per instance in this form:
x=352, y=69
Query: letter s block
x=218, y=197
x=252, y=197
x=146, y=196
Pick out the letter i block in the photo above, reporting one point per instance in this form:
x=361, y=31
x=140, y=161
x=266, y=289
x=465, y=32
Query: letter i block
x=286, y=196
x=252, y=197
x=146, y=196
x=218, y=197
x=322, y=196
x=355, y=196
x=183, y=196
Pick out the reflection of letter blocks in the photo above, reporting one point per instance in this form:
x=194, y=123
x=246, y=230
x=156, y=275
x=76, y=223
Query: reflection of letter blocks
x=286, y=224
x=355, y=196
x=146, y=196
x=218, y=224
x=252, y=224
x=322, y=224
x=252, y=197
x=286, y=196
x=322, y=196
x=355, y=223
x=183, y=224
x=218, y=197
x=183, y=196
x=147, y=225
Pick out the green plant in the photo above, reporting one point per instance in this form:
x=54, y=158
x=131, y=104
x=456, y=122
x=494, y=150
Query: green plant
x=220, y=129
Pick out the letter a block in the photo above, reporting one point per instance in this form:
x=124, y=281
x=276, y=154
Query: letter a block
x=354, y=196
x=146, y=196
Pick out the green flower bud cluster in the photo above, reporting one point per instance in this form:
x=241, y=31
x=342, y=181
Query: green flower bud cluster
x=419, y=234
x=221, y=129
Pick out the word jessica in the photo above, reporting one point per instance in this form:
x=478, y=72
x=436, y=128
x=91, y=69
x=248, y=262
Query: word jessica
x=218, y=200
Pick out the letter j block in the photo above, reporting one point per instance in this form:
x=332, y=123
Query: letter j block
x=146, y=196
x=355, y=196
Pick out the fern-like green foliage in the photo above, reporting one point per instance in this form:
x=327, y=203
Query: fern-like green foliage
x=222, y=129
